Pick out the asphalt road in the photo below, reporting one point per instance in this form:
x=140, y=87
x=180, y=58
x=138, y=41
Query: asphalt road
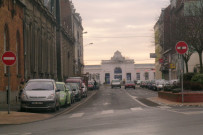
x=118, y=112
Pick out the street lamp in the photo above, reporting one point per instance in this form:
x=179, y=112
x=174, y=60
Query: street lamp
x=89, y=44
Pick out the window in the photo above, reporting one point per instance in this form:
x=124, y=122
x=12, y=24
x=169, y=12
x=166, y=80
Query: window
x=117, y=70
x=146, y=75
x=128, y=76
x=6, y=44
x=137, y=76
x=18, y=53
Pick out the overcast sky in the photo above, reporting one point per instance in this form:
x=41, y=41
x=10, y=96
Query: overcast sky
x=123, y=25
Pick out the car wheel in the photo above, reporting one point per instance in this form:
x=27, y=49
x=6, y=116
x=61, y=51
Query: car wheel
x=54, y=109
x=22, y=109
x=66, y=102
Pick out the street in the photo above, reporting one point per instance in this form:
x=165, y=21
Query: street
x=117, y=112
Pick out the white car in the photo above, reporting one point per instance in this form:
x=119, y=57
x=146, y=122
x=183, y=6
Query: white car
x=115, y=83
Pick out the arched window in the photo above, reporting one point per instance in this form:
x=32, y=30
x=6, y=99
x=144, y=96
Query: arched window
x=117, y=70
x=6, y=44
x=18, y=53
x=146, y=75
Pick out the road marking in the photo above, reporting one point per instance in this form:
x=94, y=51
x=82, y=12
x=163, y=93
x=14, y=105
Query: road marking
x=135, y=98
x=76, y=115
x=107, y=112
x=106, y=103
x=136, y=109
x=191, y=113
x=164, y=107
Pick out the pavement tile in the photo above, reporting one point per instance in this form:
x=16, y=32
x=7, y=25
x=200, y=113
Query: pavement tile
x=21, y=117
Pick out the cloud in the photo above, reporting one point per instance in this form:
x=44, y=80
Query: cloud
x=107, y=20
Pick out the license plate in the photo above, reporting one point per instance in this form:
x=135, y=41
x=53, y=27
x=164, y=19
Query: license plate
x=37, y=103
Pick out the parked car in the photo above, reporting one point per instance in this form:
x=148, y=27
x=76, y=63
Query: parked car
x=84, y=90
x=72, y=93
x=40, y=94
x=115, y=83
x=90, y=85
x=160, y=84
x=76, y=90
x=138, y=82
x=129, y=84
x=77, y=81
x=65, y=96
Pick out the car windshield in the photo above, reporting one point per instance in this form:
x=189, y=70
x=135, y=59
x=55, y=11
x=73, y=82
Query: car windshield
x=39, y=85
x=115, y=80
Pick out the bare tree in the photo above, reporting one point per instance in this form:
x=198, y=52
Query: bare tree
x=195, y=27
x=182, y=34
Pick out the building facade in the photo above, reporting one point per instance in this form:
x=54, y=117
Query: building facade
x=174, y=25
x=78, y=36
x=11, y=39
x=40, y=39
x=118, y=67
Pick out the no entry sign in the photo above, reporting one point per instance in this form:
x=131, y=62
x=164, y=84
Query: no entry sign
x=181, y=47
x=9, y=58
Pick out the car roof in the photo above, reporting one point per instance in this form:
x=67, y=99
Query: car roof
x=32, y=80
x=60, y=83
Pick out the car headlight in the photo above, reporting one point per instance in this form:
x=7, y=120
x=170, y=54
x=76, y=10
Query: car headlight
x=51, y=96
x=24, y=96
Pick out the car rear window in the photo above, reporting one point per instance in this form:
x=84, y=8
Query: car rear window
x=39, y=85
x=60, y=86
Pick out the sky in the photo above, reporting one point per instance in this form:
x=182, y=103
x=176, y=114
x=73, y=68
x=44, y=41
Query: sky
x=123, y=25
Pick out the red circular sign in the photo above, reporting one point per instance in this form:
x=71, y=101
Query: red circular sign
x=9, y=58
x=181, y=47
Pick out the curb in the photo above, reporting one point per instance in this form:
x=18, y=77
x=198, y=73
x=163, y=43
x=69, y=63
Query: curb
x=65, y=111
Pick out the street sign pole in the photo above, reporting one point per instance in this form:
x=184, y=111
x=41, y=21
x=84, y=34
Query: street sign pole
x=182, y=78
x=9, y=90
x=182, y=48
x=9, y=58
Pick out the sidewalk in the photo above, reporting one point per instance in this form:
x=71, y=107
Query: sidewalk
x=21, y=117
x=17, y=117
x=171, y=103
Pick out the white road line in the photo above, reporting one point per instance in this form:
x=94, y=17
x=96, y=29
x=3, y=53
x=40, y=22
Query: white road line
x=136, y=109
x=107, y=112
x=106, y=103
x=191, y=113
x=164, y=107
x=134, y=98
x=76, y=115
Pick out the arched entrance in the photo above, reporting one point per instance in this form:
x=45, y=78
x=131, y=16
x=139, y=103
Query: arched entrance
x=118, y=73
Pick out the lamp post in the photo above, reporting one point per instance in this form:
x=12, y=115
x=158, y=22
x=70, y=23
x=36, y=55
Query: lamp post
x=89, y=44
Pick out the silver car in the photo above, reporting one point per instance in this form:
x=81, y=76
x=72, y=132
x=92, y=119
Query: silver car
x=40, y=94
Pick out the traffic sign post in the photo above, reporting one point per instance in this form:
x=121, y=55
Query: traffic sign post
x=9, y=59
x=182, y=48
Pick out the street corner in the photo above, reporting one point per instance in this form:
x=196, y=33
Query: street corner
x=21, y=117
x=162, y=102
x=166, y=102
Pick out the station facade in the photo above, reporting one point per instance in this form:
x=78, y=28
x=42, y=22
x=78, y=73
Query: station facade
x=119, y=67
